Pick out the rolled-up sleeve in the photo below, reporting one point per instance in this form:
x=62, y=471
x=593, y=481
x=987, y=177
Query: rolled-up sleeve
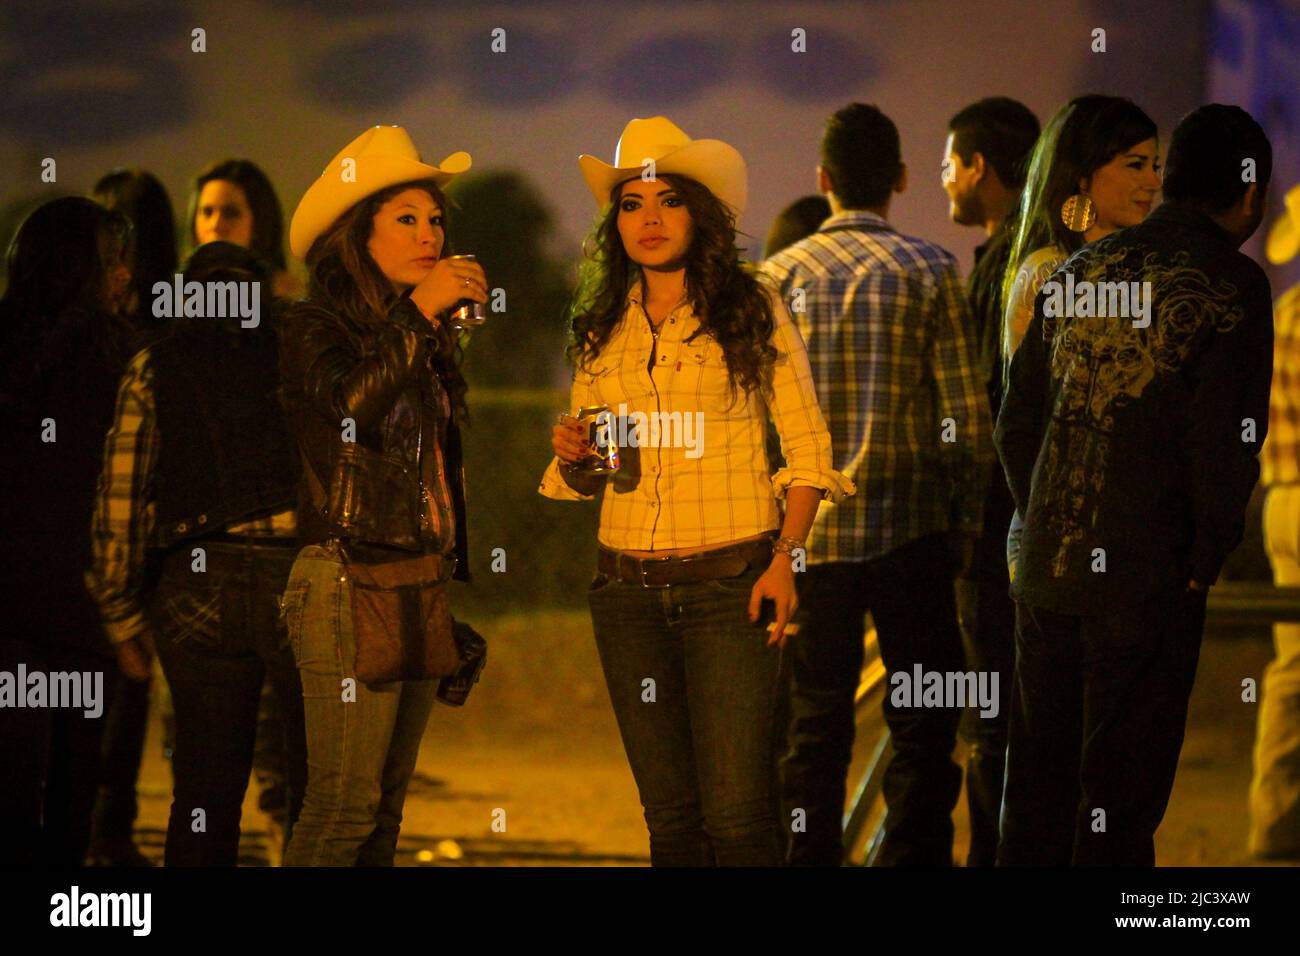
x=805, y=439
x=123, y=521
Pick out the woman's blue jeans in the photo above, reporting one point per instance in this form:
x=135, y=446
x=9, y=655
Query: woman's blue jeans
x=362, y=742
x=694, y=689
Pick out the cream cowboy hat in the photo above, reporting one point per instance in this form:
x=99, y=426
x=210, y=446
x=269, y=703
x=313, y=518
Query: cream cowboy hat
x=710, y=162
x=1284, y=238
x=382, y=156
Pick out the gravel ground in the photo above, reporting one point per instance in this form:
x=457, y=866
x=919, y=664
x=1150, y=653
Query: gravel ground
x=538, y=741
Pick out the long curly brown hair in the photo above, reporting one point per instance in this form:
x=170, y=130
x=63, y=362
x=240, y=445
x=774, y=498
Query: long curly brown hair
x=731, y=304
x=343, y=276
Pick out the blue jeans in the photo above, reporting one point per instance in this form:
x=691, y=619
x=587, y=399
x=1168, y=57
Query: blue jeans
x=360, y=753
x=700, y=737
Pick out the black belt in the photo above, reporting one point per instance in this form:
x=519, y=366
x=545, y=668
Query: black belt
x=729, y=562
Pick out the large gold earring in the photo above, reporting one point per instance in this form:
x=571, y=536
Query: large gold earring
x=1078, y=213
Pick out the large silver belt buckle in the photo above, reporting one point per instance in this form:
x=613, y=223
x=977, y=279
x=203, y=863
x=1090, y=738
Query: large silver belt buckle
x=644, y=583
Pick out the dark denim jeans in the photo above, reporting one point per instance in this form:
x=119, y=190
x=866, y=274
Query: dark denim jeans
x=122, y=750
x=219, y=635
x=49, y=760
x=988, y=626
x=1098, y=712
x=694, y=688
x=909, y=592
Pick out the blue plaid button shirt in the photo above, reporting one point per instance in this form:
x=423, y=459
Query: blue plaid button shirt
x=898, y=378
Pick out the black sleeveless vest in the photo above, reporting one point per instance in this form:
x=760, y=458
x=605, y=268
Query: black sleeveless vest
x=225, y=455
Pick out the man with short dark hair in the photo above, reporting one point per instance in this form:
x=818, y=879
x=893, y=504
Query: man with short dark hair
x=983, y=173
x=984, y=166
x=1130, y=441
x=898, y=380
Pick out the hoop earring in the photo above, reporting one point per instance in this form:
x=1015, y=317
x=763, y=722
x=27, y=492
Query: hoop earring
x=1078, y=213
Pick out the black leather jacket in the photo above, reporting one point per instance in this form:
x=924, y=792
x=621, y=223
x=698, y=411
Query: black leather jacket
x=331, y=369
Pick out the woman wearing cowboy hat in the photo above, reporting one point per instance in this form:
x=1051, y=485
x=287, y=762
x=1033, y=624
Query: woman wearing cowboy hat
x=677, y=337
x=369, y=361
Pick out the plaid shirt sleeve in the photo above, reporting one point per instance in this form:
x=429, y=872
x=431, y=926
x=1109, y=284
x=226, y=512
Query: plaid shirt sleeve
x=805, y=439
x=123, y=522
x=963, y=399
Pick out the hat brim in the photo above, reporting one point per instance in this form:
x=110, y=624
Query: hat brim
x=1283, y=240
x=333, y=194
x=710, y=162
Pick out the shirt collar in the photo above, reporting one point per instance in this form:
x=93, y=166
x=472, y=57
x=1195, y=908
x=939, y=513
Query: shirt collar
x=634, y=296
x=855, y=218
x=1190, y=218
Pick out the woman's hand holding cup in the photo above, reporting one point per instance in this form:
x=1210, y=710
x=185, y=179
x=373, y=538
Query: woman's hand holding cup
x=450, y=281
x=569, y=439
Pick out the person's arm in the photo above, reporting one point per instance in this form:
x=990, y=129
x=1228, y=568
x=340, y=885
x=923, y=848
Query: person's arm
x=797, y=415
x=122, y=523
x=777, y=274
x=1019, y=309
x=809, y=475
x=962, y=407
x=564, y=483
x=1019, y=433
x=341, y=381
x=1232, y=382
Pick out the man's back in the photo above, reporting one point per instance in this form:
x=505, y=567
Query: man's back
x=885, y=320
x=1130, y=440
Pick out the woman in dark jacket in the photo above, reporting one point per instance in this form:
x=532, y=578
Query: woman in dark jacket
x=63, y=350
x=368, y=365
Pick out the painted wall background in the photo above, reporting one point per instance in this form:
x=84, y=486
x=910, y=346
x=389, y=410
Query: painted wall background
x=287, y=83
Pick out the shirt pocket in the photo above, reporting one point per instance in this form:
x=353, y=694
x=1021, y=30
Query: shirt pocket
x=596, y=381
x=702, y=383
x=191, y=616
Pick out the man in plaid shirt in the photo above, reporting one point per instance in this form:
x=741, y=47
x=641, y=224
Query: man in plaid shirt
x=884, y=317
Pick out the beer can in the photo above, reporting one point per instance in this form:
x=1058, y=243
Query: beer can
x=600, y=433
x=467, y=314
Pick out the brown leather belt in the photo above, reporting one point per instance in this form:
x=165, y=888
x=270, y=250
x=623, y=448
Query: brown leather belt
x=729, y=562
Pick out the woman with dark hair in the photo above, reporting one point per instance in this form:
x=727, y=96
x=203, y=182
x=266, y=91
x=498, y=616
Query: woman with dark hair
x=375, y=399
x=140, y=197
x=63, y=350
x=693, y=354
x=233, y=201
x=1094, y=170
x=796, y=221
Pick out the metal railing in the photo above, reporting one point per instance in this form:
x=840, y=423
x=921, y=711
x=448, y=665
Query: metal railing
x=1231, y=604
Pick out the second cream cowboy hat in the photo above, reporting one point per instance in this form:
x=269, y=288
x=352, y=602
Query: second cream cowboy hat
x=1284, y=238
x=710, y=162
x=380, y=157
